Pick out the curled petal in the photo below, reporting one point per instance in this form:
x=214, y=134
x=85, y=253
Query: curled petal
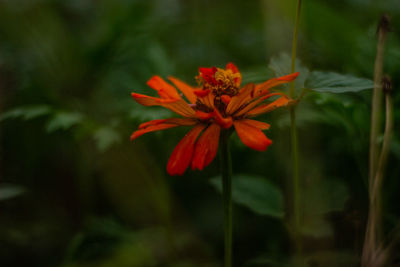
x=201, y=92
x=203, y=115
x=164, y=89
x=206, y=147
x=251, y=136
x=183, y=152
x=225, y=123
x=186, y=89
x=226, y=99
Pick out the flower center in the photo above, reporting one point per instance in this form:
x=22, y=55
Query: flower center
x=219, y=81
x=223, y=84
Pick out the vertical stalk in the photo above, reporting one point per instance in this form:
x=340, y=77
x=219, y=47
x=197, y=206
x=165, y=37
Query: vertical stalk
x=294, y=145
x=377, y=160
x=373, y=253
x=226, y=170
x=377, y=99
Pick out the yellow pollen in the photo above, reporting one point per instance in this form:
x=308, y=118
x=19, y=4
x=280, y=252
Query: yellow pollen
x=227, y=77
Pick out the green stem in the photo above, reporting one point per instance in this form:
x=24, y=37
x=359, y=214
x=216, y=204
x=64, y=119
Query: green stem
x=294, y=143
x=294, y=44
x=226, y=170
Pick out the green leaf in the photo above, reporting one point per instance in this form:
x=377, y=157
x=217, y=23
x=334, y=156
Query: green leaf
x=255, y=193
x=106, y=137
x=8, y=191
x=336, y=83
x=281, y=65
x=26, y=112
x=63, y=121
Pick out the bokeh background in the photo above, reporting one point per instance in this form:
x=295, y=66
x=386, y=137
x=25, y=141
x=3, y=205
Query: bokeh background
x=74, y=191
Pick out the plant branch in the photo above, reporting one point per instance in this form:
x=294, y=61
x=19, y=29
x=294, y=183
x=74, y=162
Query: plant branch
x=226, y=170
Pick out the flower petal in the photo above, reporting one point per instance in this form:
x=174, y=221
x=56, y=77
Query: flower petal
x=225, y=123
x=243, y=96
x=157, y=125
x=280, y=102
x=208, y=74
x=179, y=106
x=258, y=124
x=226, y=99
x=251, y=136
x=186, y=89
x=262, y=89
x=150, y=100
x=206, y=147
x=151, y=128
x=164, y=89
x=204, y=115
x=201, y=92
x=254, y=103
x=183, y=152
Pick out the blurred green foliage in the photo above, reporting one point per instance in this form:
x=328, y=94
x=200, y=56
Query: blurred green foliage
x=75, y=192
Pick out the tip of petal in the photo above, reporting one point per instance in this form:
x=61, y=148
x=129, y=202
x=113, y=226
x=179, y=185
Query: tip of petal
x=289, y=77
x=264, y=145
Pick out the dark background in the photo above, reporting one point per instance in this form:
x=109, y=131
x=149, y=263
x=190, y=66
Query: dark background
x=75, y=192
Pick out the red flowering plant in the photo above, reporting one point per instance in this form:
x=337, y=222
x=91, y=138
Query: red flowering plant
x=217, y=103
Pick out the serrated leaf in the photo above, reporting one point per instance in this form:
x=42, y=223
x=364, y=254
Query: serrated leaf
x=281, y=65
x=255, y=193
x=10, y=191
x=26, y=112
x=63, y=121
x=106, y=137
x=336, y=83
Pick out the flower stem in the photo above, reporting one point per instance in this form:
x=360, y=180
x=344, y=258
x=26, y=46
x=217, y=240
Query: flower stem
x=294, y=145
x=226, y=170
x=294, y=44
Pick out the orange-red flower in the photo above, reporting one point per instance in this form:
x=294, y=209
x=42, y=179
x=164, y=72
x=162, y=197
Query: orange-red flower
x=217, y=103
